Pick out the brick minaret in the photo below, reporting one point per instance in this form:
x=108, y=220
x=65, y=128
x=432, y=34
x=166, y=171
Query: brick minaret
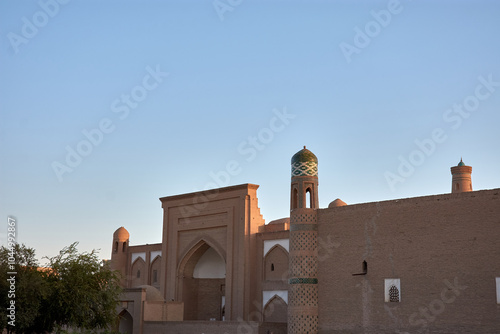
x=461, y=178
x=119, y=253
x=303, y=259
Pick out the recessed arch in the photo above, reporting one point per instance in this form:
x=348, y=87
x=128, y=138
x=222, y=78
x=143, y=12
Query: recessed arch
x=138, y=272
x=276, y=310
x=125, y=322
x=155, y=271
x=276, y=263
x=308, y=198
x=295, y=198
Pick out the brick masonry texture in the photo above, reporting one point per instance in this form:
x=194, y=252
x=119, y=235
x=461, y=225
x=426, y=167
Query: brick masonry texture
x=444, y=249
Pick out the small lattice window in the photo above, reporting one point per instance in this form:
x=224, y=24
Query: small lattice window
x=138, y=274
x=394, y=294
x=392, y=290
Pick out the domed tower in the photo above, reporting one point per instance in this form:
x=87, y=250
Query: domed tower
x=303, y=257
x=119, y=252
x=461, y=178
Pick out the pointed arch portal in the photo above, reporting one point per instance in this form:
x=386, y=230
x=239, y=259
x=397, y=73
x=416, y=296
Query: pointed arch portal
x=202, y=279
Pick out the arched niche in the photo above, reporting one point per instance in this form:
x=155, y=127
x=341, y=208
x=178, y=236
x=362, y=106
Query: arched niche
x=138, y=273
x=276, y=264
x=155, y=271
x=276, y=310
x=125, y=323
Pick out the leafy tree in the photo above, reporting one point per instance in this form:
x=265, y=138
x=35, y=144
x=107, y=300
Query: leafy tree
x=84, y=292
x=75, y=291
x=28, y=291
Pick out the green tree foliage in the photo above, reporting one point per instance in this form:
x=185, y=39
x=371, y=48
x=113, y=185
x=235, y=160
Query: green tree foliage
x=75, y=291
x=29, y=291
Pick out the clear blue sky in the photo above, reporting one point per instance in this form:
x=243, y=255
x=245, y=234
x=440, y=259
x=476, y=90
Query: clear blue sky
x=360, y=81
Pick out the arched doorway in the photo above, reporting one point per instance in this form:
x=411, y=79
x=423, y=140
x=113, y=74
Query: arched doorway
x=203, y=274
x=126, y=323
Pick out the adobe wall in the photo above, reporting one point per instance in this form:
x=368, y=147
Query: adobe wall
x=444, y=249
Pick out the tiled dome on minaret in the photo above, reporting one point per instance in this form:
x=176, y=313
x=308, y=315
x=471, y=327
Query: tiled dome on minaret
x=304, y=163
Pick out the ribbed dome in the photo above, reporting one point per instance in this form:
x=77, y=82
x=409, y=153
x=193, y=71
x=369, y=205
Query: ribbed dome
x=304, y=155
x=461, y=163
x=121, y=234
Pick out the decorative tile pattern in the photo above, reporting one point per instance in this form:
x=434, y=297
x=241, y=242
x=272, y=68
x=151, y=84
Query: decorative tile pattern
x=303, y=281
x=303, y=218
x=303, y=323
x=303, y=295
x=303, y=266
x=303, y=227
x=309, y=168
x=304, y=240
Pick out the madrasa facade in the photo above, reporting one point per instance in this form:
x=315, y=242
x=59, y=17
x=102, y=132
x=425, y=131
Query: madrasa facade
x=417, y=265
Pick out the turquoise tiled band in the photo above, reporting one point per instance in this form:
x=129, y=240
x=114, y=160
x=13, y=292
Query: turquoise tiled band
x=303, y=227
x=303, y=281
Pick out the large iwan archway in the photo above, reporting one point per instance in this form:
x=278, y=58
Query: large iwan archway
x=203, y=275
